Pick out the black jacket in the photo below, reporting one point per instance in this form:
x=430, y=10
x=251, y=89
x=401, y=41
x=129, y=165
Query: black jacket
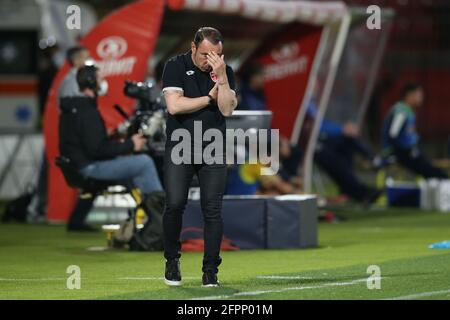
x=82, y=133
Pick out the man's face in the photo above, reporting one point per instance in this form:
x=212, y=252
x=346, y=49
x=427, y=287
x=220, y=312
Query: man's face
x=416, y=98
x=199, y=54
x=81, y=59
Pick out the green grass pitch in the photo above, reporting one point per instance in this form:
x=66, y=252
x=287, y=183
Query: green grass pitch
x=34, y=259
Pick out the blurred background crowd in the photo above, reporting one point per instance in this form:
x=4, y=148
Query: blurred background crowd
x=386, y=114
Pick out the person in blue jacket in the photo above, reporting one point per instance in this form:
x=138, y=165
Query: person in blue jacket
x=251, y=92
x=336, y=145
x=344, y=138
x=335, y=148
x=400, y=137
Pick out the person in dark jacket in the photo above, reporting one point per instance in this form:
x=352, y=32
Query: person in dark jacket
x=252, y=89
x=77, y=57
x=84, y=140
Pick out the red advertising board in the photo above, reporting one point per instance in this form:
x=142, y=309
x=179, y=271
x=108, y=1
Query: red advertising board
x=121, y=44
x=287, y=63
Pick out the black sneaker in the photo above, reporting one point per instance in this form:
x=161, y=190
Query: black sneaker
x=210, y=279
x=173, y=274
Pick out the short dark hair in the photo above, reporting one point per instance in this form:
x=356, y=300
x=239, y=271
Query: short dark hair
x=87, y=77
x=410, y=87
x=211, y=34
x=72, y=53
x=250, y=70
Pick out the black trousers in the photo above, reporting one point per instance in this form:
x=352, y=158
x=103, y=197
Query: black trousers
x=212, y=180
x=346, y=147
x=338, y=166
x=80, y=212
x=415, y=161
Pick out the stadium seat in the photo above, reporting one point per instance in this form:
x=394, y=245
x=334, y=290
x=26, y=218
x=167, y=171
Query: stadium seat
x=87, y=186
x=90, y=188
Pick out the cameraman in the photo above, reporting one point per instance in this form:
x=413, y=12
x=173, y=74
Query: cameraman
x=83, y=139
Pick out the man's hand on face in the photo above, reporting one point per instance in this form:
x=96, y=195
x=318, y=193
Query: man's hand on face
x=139, y=141
x=217, y=64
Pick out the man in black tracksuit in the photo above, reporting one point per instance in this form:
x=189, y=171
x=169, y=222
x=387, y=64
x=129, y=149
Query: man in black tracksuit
x=198, y=88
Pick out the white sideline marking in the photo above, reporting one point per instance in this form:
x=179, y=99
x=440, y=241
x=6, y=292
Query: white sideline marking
x=255, y=293
x=62, y=279
x=284, y=277
x=419, y=295
x=36, y=279
x=152, y=278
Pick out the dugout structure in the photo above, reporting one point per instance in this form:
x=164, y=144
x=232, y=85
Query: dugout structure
x=299, y=44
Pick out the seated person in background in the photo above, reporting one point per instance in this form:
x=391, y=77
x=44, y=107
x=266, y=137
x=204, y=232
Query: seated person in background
x=246, y=178
x=400, y=137
x=290, y=160
x=252, y=98
x=76, y=56
x=341, y=172
x=252, y=89
x=342, y=138
x=83, y=139
x=334, y=152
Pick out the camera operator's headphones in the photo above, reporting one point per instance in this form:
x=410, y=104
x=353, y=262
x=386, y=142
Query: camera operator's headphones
x=87, y=77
